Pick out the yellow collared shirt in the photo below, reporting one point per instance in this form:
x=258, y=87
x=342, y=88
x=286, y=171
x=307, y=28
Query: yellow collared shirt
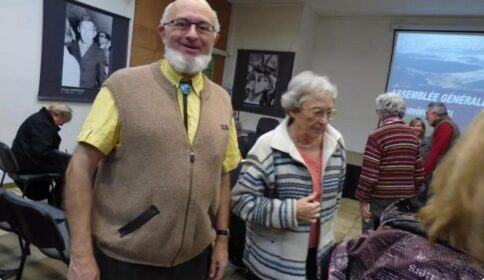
x=103, y=131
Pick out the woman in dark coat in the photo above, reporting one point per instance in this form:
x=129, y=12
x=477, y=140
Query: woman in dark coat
x=36, y=147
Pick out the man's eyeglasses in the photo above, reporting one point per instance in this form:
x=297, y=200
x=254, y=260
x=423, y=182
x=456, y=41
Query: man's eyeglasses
x=185, y=24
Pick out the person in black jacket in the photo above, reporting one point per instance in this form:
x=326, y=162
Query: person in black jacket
x=36, y=148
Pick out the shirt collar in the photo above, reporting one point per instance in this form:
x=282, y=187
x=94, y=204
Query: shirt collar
x=282, y=141
x=394, y=119
x=174, y=77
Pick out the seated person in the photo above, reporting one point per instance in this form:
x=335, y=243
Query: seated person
x=36, y=148
x=448, y=242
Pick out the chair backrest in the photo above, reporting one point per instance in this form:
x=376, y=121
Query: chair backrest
x=6, y=212
x=8, y=163
x=265, y=125
x=243, y=145
x=35, y=225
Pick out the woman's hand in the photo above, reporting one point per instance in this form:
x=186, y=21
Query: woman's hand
x=307, y=209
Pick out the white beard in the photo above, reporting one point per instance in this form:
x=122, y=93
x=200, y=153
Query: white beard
x=186, y=65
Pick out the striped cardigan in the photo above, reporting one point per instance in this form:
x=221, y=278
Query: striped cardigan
x=392, y=163
x=273, y=177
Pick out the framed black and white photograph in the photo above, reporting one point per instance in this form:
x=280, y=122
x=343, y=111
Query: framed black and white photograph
x=81, y=47
x=261, y=77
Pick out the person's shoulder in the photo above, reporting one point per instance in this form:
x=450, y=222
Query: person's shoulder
x=445, y=125
x=96, y=47
x=214, y=86
x=216, y=89
x=377, y=132
x=40, y=118
x=332, y=132
x=128, y=72
x=263, y=145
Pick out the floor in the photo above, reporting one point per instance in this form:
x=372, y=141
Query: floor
x=39, y=267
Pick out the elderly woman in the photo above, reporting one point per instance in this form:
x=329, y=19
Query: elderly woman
x=444, y=240
x=290, y=185
x=392, y=163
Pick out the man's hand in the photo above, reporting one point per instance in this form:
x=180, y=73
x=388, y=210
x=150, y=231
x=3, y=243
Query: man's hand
x=365, y=211
x=307, y=209
x=83, y=268
x=220, y=258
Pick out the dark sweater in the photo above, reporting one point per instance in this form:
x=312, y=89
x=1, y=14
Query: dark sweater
x=36, y=145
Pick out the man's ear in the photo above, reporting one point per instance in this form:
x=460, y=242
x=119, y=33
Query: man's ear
x=161, y=31
x=217, y=36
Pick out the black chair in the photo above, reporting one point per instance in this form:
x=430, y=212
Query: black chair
x=237, y=229
x=5, y=216
x=9, y=165
x=38, y=224
x=264, y=125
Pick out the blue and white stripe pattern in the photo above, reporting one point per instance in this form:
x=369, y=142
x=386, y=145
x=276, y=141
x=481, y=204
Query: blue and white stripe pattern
x=273, y=177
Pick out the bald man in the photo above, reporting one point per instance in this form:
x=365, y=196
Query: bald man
x=162, y=140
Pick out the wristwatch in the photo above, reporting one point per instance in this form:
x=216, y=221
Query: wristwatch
x=224, y=232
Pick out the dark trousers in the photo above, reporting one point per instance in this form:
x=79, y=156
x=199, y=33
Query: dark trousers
x=311, y=267
x=193, y=269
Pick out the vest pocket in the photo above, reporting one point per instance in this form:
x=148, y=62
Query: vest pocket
x=139, y=221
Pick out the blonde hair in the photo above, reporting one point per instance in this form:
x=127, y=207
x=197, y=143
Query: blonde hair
x=456, y=210
x=61, y=110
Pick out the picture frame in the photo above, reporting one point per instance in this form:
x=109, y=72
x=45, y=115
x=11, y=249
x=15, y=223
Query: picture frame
x=261, y=77
x=81, y=46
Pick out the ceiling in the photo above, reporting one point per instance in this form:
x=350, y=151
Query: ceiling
x=387, y=7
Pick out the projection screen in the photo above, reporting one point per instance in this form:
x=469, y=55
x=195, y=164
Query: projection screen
x=439, y=66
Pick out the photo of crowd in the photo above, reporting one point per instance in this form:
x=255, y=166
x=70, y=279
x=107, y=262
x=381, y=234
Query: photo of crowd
x=261, y=79
x=87, y=47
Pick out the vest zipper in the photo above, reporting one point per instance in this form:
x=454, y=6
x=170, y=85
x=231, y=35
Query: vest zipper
x=185, y=222
x=192, y=160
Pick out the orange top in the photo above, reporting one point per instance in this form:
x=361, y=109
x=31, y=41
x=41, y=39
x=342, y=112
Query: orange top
x=316, y=171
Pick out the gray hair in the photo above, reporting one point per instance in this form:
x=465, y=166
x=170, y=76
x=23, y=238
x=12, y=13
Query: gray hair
x=438, y=108
x=166, y=13
x=61, y=110
x=303, y=85
x=391, y=104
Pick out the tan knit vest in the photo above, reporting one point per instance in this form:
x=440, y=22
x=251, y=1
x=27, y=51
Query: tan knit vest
x=155, y=198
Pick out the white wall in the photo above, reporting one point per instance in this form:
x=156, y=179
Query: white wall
x=260, y=27
x=21, y=27
x=20, y=58
x=309, y=26
x=354, y=52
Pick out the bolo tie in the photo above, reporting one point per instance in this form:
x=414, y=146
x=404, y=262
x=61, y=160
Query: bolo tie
x=185, y=88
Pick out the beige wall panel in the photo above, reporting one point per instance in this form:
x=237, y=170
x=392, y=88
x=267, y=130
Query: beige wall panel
x=145, y=37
